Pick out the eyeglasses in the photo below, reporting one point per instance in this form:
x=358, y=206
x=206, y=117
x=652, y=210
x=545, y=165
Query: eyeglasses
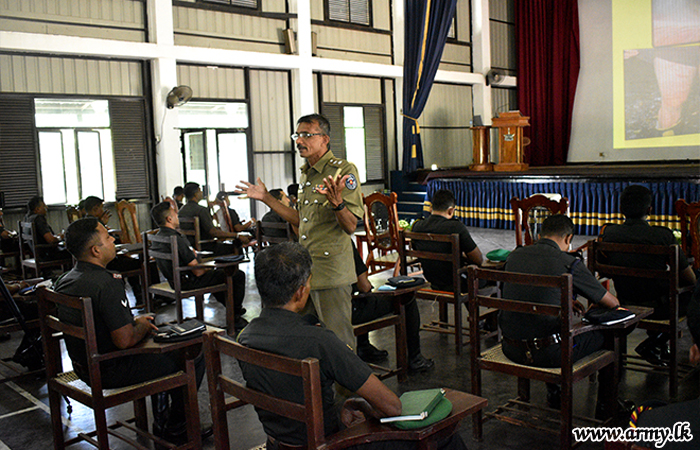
x=296, y=136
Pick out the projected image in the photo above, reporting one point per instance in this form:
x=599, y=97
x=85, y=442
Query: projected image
x=662, y=89
x=662, y=92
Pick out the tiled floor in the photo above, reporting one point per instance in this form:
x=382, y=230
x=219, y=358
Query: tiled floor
x=25, y=422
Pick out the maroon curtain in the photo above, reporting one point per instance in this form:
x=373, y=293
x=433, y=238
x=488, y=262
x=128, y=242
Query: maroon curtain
x=548, y=65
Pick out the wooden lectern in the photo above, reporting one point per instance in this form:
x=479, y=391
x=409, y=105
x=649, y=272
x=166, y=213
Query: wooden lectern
x=510, y=142
x=481, y=149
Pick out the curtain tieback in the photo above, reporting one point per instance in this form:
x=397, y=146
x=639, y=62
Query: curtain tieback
x=415, y=122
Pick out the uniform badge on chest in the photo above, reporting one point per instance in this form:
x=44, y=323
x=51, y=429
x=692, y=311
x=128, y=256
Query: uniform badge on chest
x=317, y=187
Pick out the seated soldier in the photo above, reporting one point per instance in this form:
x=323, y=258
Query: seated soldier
x=29, y=352
x=443, y=221
x=222, y=200
x=94, y=207
x=532, y=340
x=207, y=230
x=116, y=329
x=282, y=274
x=167, y=219
x=8, y=238
x=36, y=213
x=292, y=193
x=178, y=196
x=371, y=307
x=272, y=216
x=635, y=205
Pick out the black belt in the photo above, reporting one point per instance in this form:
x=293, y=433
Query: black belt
x=534, y=344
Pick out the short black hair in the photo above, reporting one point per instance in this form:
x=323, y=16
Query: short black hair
x=635, y=201
x=160, y=213
x=557, y=225
x=279, y=271
x=80, y=236
x=91, y=202
x=321, y=121
x=293, y=189
x=443, y=199
x=277, y=193
x=191, y=189
x=34, y=202
x=179, y=190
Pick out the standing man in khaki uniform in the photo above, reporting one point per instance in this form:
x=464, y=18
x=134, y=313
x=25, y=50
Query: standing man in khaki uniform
x=329, y=205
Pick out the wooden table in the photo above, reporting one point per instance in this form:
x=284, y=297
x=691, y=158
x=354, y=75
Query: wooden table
x=463, y=405
x=399, y=298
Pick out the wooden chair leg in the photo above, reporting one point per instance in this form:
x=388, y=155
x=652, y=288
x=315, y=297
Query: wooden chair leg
x=192, y=407
x=199, y=307
x=101, y=425
x=566, y=415
x=458, y=328
x=524, y=389
x=56, y=422
x=141, y=414
x=673, y=366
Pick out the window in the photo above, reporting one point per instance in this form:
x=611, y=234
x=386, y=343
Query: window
x=75, y=150
x=357, y=135
x=349, y=11
x=253, y=4
x=215, y=147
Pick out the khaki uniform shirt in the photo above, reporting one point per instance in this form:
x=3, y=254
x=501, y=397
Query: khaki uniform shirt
x=319, y=231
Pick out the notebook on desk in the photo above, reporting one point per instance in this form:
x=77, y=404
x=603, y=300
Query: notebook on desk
x=229, y=259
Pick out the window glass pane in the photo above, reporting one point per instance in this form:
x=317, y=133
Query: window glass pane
x=353, y=117
x=213, y=115
x=355, y=139
x=70, y=167
x=51, y=158
x=108, y=171
x=212, y=164
x=233, y=160
x=195, y=165
x=90, y=164
x=56, y=113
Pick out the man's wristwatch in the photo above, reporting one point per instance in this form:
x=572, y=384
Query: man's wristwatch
x=339, y=207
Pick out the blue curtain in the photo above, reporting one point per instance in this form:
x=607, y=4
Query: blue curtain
x=486, y=204
x=427, y=25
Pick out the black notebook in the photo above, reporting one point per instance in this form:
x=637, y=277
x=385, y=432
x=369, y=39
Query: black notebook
x=605, y=316
x=229, y=259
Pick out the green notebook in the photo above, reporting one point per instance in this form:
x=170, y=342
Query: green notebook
x=417, y=405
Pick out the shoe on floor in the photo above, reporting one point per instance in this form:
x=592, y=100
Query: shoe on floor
x=420, y=363
x=371, y=354
x=653, y=352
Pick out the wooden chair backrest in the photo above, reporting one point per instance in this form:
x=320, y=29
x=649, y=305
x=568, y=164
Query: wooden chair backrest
x=310, y=413
x=53, y=329
x=564, y=283
x=148, y=237
x=689, y=214
x=131, y=234
x=381, y=221
x=191, y=229
x=262, y=233
x=453, y=256
x=668, y=255
x=221, y=214
x=73, y=213
x=28, y=237
x=525, y=217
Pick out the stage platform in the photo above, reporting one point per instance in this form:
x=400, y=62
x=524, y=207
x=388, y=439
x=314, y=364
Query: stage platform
x=593, y=190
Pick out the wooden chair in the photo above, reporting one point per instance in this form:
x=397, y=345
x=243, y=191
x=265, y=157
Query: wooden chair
x=668, y=260
x=129, y=223
x=73, y=213
x=311, y=411
x=689, y=214
x=529, y=213
x=27, y=240
x=457, y=298
x=266, y=233
x=493, y=358
x=382, y=227
x=68, y=384
x=223, y=217
x=175, y=290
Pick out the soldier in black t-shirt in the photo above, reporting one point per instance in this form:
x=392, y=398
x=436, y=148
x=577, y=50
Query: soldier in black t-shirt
x=635, y=205
x=36, y=212
x=116, y=329
x=443, y=221
x=167, y=219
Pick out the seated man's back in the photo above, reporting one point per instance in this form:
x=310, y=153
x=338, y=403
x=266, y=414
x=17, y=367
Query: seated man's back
x=442, y=221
